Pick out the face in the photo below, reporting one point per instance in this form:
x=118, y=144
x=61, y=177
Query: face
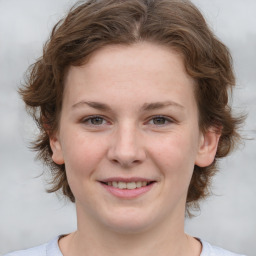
x=129, y=137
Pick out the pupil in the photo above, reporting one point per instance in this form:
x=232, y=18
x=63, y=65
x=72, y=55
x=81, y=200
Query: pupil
x=96, y=120
x=159, y=120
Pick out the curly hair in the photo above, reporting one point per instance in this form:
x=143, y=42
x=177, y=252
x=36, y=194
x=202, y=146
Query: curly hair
x=91, y=25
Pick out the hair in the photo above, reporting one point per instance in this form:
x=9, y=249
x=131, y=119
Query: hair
x=93, y=24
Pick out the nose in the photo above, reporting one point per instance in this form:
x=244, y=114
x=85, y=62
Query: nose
x=126, y=147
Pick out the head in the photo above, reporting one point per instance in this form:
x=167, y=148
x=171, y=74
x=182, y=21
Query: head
x=96, y=24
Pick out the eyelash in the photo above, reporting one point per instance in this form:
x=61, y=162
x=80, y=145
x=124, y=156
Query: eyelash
x=90, y=118
x=168, y=119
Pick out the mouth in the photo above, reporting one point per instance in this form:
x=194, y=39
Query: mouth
x=128, y=185
x=127, y=188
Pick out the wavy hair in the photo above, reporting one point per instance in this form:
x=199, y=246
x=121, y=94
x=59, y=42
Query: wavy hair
x=93, y=24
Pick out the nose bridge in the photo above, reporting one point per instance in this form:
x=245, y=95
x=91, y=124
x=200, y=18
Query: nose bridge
x=127, y=147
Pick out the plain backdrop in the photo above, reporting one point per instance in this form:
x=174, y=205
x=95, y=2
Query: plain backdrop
x=29, y=216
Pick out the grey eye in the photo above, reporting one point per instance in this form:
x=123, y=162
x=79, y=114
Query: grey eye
x=96, y=120
x=159, y=120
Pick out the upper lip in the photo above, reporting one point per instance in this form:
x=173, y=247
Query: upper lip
x=125, y=179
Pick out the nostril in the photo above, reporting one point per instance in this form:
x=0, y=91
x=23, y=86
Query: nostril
x=114, y=161
x=126, y=153
x=125, y=162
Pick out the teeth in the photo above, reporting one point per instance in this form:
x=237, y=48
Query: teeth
x=127, y=185
x=121, y=185
x=131, y=185
x=138, y=184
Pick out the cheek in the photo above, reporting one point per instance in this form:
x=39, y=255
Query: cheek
x=176, y=164
x=82, y=154
x=82, y=157
x=175, y=155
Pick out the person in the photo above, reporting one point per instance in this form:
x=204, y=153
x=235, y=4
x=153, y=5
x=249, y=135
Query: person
x=132, y=101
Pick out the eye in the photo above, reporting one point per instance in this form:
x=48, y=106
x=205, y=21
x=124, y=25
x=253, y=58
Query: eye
x=160, y=120
x=94, y=121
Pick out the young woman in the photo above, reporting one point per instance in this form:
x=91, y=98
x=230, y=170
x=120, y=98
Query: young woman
x=131, y=98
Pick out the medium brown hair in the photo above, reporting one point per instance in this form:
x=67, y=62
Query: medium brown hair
x=91, y=25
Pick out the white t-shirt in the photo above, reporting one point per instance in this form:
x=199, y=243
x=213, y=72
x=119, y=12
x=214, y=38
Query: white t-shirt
x=52, y=249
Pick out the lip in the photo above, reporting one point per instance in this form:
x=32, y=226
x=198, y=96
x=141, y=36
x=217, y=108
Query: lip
x=128, y=179
x=127, y=193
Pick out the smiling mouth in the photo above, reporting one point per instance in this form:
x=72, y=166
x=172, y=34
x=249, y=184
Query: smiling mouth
x=128, y=185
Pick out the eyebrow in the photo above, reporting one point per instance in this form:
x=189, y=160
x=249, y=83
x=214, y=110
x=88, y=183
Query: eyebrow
x=159, y=105
x=93, y=104
x=145, y=107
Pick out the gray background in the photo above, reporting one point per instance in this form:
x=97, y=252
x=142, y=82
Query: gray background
x=29, y=216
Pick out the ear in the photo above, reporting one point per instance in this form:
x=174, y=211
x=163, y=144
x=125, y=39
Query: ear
x=207, y=147
x=57, y=154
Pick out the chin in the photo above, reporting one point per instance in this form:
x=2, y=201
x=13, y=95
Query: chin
x=129, y=221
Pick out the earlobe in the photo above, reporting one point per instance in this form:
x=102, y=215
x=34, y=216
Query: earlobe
x=207, y=147
x=57, y=155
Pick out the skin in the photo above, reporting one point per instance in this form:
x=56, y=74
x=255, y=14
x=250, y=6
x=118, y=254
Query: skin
x=127, y=140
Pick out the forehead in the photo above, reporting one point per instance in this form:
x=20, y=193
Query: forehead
x=138, y=57
x=144, y=69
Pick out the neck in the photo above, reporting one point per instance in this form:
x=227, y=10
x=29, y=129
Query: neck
x=165, y=239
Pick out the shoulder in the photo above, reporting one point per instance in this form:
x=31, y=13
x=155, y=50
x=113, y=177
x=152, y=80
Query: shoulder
x=48, y=249
x=38, y=250
x=210, y=250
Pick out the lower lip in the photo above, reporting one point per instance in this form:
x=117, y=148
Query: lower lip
x=128, y=193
